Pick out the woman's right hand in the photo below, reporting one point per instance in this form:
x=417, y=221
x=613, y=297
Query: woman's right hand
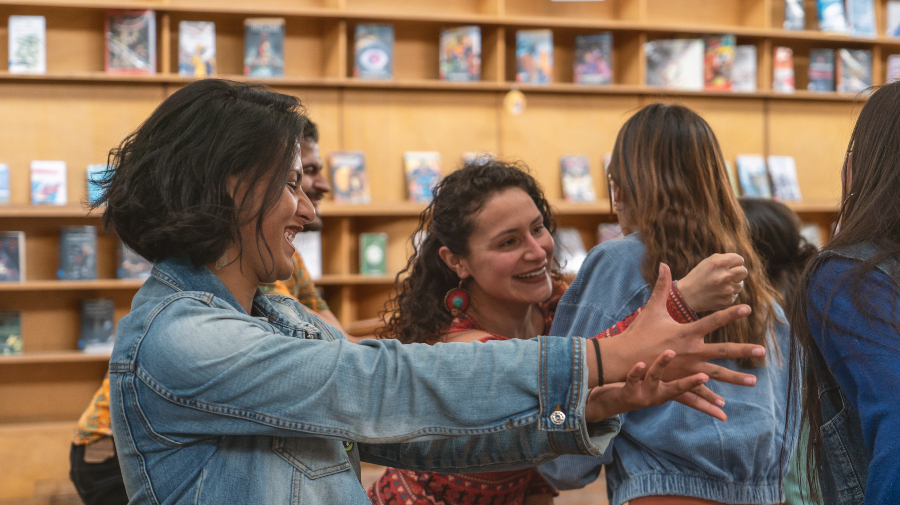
x=714, y=283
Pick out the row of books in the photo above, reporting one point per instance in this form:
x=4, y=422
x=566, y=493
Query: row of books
x=853, y=17
x=97, y=335
x=772, y=177
x=372, y=253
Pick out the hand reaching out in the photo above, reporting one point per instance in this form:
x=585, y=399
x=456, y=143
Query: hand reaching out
x=714, y=283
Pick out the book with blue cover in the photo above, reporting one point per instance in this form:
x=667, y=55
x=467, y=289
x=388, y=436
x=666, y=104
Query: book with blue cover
x=854, y=70
x=423, y=172
x=373, y=50
x=98, y=332
x=893, y=18
x=534, y=56
x=77, y=253
x=48, y=183
x=264, y=47
x=460, y=54
x=349, y=179
x=821, y=70
x=783, y=171
x=95, y=174
x=12, y=256
x=753, y=176
x=593, y=59
x=196, y=48
x=132, y=265
x=794, y=15
x=10, y=332
x=861, y=18
x=831, y=16
x=4, y=184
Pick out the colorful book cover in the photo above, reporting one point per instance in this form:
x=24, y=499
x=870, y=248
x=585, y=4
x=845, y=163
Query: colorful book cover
x=718, y=63
x=593, y=59
x=460, y=54
x=373, y=253
x=794, y=15
x=131, y=42
x=783, y=172
x=423, y=172
x=349, y=179
x=77, y=253
x=534, y=56
x=783, y=70
x=374, y=51
x=98, y=335
x=821, y=70
x=577, y=183
x=264, y=47
x=4, y=184
x=861, y=18
x=893, y=68
x=675, y=63
x=10, y=332
x=570, y=250
x=831, y=16
x=854, y=70
x=309, y=245
x=27, y=45
x=893, y=18
x=196, y=48
x=753, y=176
x=12, y=256
x=48, y=183
x=608, y=231
x=132, y=265
x=95, y=174
x=743, y=73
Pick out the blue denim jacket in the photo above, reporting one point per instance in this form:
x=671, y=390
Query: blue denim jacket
x=211, y=405
x=673, y=449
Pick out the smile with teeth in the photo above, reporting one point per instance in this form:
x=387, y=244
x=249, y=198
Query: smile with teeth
x=532, y=275
x=289, y=234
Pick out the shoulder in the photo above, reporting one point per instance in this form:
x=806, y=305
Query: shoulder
x=612, y=268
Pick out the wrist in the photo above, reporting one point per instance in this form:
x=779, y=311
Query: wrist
x=616, y=360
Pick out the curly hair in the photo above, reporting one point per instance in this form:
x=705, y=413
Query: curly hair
x=167, y=193
x=415, y=312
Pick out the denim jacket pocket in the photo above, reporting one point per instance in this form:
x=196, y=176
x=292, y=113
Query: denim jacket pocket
x=314, y=457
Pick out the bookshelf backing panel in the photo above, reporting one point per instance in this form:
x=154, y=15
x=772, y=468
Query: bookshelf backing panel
x=466, y=7
x=713, y=13
x=607, y=10
x=51, y=392
x=739, y=124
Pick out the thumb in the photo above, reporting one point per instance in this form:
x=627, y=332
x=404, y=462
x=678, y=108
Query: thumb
x=660, y=294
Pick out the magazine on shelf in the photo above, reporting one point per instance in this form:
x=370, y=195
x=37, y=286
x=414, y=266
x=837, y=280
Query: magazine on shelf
x=460, y=54
x=4, y=184
x=675, y=63
x=783, y=171
x=577, y=183
x=593, y=59
x=264, y=47
x=861, y=18
x=27, y=45
x=570, y=250
x=10, y=332
x=783, y=70
x=743, y=73
x=794, y=15
x=608, y=231
x=893, y=18
x=753, y=176
x=373, y=253
x=131, y=42
x=374, y=51
x=534, y=56
x=48, y=183
x=196, y=48
x=309, y=245
x=831, y=16
x=854, y=70
x=893, y=68
x=12, y=256
x=349, y=179
x=95, y=174
x=423, y=172
x=718, y=63
x=77, y=253
x=821, y=70
x=132, y=265
x=98, y=333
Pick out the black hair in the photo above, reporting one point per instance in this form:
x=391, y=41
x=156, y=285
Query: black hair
x=311, y=132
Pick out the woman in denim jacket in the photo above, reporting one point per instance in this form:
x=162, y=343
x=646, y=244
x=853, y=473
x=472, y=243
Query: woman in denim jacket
x=222, y=395
x=670, y=186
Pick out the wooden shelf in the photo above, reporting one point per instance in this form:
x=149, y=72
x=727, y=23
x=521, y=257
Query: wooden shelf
x=815, y=207
x=39, y=358
x=355, y=280
x=46, y=211
x=51, y=285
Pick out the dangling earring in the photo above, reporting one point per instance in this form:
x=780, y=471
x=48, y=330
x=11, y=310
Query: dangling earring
x=222, y=261
x=456, y=300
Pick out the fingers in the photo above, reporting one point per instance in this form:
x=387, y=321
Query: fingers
x=696, y=402
x=730, y=260
x=718, y=319
x=722, y=374
x=708, y=395
x=654, y=374
x=633, y=379
x=660, y=292
x=678, y=387
x=730, y=350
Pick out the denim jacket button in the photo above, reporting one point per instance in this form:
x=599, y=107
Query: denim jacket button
x=557, y=417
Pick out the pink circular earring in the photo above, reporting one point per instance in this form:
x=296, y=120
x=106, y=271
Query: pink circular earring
x=456, y=300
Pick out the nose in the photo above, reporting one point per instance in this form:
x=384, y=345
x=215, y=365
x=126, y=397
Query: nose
x=320, y=183
x=534, y=250
x=305, y=209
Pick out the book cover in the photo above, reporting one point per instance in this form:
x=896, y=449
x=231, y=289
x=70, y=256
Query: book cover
x=861, y=18
x=4, y=184
x=893, y=18
x=423, y=172
x=95, y=174
x=732, y=178
x=831, y=16
x=593, y=59
x=264, y=47
x=783, y=70
x=98, y=335
x=77, y=253
x=608, y=231
x=753, y=176
x=812, y=234
x=373, y=48
x=743, y=73
x=48, y=183
x=309, y=245
x=373, y=253
x=348, y=177
x=12, y=256
x=460, y=54
x=132, y=265
x=783, y=172
x=569, y=250
x=893, y=68
x=131, y=42
x=675, y=63
x=196, y=48
x=534, y=56
x=794, y=15
x=854, y=70
x=10, y=332
x=821, y=70
x=718, y=63
x=577, y=183
x=27, y=45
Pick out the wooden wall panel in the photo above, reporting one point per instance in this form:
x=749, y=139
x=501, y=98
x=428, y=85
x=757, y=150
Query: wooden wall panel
x=739, y=124
x=40, y=456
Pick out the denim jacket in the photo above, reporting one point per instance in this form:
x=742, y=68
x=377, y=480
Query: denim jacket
x=211, y=405
x=672, y=449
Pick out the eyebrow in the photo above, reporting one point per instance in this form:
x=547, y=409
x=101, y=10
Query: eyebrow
x=539, y=218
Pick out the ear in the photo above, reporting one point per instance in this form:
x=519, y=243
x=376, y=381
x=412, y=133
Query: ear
x=454, y=262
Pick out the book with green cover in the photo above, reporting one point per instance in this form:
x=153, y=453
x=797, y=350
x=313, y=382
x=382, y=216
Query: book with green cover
x=10, y=332
x=373, y=253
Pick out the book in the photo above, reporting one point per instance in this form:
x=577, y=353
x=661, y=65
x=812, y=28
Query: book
x=373, y=253
x=534, y=56
x=608, y=231
x=131, y=42
x=831, y=16
x=812, y=234
x=348, y=177
x=423, y=172
x=10, y=332
x=98, y=333
x=783, y=171
x=861, y=18
x=569, y=250
x=718, y=62
x=48, y=183
x=4, y=184
x=309, y=245
x=264, y=47
x=95, y=174
x=783, y=70
x=893, y=18
x=132, y=265
x=821, y=70
x=743, y=73
x=854, y=70
x=794, y=15
x=373, y=49
x=77, y=253
x=27, y=45
x=893, y=68
x=732, y=178
x=753, y=176
x=196, y=48
x=577, y=183
x=593, y=59
x=460, y=54
x=12, y=256
x=675, y=63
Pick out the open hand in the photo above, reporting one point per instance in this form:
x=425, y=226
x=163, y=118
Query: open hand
x=714, y=283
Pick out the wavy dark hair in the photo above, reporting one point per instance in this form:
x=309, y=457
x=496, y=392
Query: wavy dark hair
x=415, y=312
x=166, y=193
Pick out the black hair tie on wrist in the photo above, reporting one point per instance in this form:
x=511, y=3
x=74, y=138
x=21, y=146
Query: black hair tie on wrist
x=596, y=342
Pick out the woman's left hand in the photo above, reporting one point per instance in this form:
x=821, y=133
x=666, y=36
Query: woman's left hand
x=714, y=283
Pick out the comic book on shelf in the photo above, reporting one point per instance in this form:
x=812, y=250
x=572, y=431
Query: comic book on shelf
x=893, y=18
x=577, y=183
x=718, y=63
x=821, y=70
x=349, y=179
x=783, y=171
x=132, y=265
x=861, y=18
x=593, y=59
x=4, y=184
x=570, y=250
x=460, y=54
x=98, y=333
x=608, y=231
x=831, y=16
x=373, y=253
x=675, y=63
x=196, y=48
x=264, y=47
x=374, y=51
x=783, y=70
x=753, y=176
x=12, y=256
x=27, y=45
x=95, y=174
x=534, y=56
x=854, y=70
x=794, y=15
x=10, y=332
x=48, y=183
x=893, y=68
x=131, y=42
x=423, y=172
x=743, y=73
x=77, y=253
